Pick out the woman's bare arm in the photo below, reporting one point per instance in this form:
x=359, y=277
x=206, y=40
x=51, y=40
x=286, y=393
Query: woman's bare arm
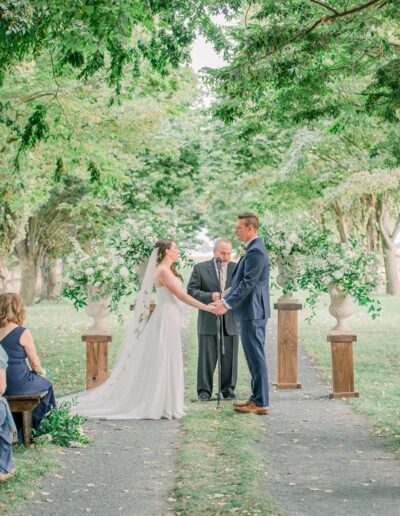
x=3, y=383
x=168, y=279
x=26, y=340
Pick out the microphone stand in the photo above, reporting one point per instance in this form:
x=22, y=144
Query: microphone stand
x=220, y=338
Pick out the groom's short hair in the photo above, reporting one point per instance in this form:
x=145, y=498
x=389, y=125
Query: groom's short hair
x=250, y=219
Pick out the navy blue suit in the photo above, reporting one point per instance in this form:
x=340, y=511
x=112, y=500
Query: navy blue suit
x=249, y=301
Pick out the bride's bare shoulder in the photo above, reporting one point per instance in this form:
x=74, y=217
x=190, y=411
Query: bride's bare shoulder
x=161, y=272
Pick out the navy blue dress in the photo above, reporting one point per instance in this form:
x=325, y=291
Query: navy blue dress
x=21, y=380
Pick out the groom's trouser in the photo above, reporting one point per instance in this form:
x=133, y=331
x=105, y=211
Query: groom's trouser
x=252, y=334
x=207, y=360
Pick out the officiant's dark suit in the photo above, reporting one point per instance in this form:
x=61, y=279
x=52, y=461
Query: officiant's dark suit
x=202, y=284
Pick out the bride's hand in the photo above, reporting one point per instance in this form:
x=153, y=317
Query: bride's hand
x=209, y=308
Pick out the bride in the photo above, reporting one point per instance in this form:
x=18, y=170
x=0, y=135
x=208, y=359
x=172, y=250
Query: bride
x=147, y=380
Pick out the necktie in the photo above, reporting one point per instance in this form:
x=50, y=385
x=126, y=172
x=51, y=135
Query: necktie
x=223, y=278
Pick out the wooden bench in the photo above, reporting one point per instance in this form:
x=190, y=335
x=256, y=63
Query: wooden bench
x=26, y=403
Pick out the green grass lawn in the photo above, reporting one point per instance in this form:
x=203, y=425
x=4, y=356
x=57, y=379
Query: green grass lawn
x=219, y=470
x=376, y=359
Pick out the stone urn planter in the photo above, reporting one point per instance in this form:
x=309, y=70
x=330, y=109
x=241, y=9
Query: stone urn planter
x=341, y=307
x=287, y=341
x=281, y=279
x=97, y=309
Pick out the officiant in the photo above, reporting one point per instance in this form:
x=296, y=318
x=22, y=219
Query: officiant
x=204, y=286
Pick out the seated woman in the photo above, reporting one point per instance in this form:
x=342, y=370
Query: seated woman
x=18, y=344
x=7, y=427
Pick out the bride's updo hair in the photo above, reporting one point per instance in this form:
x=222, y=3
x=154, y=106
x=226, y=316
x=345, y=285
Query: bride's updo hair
x=162, y=246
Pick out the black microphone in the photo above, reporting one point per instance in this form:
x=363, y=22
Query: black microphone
x=218, y=261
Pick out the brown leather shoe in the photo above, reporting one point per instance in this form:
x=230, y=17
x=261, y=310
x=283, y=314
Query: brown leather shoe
x=242, y=403
x=252, y=408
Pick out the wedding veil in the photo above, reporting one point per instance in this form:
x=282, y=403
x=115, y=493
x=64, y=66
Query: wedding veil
x=141, y=310
x=106, y=399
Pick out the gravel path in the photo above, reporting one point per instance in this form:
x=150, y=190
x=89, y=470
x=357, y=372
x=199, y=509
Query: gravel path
x=130, y=469
x=321, y=457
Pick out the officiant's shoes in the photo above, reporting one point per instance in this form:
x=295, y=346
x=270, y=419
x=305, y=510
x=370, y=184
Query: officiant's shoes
x=204, y=396
x=251, y=407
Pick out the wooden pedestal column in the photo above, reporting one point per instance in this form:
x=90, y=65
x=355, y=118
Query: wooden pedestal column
x=342, y=366
x=96, y=359
x=287, y=344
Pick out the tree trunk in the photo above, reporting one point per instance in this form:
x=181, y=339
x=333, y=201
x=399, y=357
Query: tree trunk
x=30, y=257
x=341, y=223
x=50, y=284
x=389, y=250
x=3, y=273
x=371, y=229
x=29, y=274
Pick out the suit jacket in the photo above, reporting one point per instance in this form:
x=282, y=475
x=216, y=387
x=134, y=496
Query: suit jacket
x=202, y=283
x=249, y=294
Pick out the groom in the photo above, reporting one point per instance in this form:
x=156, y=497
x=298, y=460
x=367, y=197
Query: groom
x=249, y=301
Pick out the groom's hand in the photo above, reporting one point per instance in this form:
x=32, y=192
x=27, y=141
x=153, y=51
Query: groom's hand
x=220, y=308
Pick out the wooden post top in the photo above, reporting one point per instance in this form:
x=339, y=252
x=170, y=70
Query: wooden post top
x=96, y=338
x=288, y=306
x=342, y=338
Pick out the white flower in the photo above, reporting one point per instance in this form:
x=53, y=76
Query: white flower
x=124, y=272
x=141, y=196
x=131, y=223
x=124, y=234
x=89, y=271
x=101, y=260
x=71, y=283
x=147, y=231
x=293, y=238
x=338, y=274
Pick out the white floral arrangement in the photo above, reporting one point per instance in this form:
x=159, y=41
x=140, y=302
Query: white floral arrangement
x=103, y=274
x=309, y=258
x=134, y=240
x=349, y=267
x=289, y=241
x=111, y=271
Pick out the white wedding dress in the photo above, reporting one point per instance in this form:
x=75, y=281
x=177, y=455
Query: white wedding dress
x=147, y=381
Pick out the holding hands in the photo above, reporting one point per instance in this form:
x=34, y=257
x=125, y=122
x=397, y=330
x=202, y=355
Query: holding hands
x=218, y=308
